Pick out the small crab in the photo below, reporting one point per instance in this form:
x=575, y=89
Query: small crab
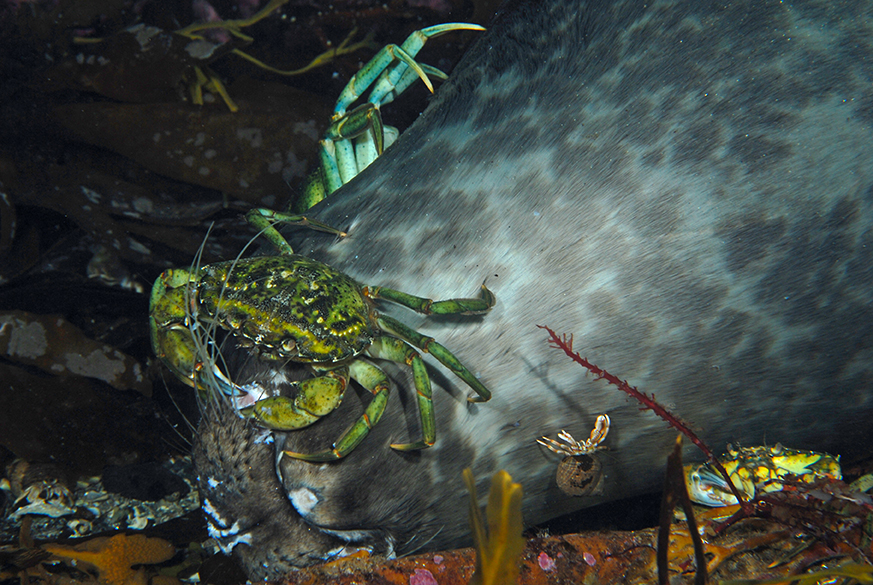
x=356, y=138
x=579, y=473
x=293, y=308
x=756, y=469
x=38, y=488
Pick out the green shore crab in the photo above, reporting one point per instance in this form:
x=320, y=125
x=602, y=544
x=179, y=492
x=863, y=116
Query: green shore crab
x=357, y=137
x=757, y=470
x=293, y=308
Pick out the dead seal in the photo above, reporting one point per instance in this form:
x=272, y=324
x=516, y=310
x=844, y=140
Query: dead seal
x=685, y=186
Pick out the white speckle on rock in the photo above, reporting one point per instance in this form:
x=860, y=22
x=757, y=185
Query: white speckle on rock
x=96, y=364
x=210, y=510
x=253, y=135
x=25, y=339
x=138, y=247
x=309, y=129
x=204, y=171
x=92, y=195
x=274, y=166
x=144, y=34
x=293, y=167
x=189, y=160
x=201, y=49
x=143, y=205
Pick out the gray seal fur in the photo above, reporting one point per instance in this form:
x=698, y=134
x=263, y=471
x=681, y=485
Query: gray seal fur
x=685, y=186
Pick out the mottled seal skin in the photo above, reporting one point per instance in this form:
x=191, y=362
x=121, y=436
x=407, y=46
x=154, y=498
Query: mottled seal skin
x=686, y=186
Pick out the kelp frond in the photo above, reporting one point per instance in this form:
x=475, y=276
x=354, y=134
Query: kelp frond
x=498, y=550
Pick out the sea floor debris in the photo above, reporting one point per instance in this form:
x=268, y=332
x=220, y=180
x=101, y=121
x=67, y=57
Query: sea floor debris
x=96, y=510
x=751, y=550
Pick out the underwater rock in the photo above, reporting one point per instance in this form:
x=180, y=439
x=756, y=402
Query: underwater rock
x=252, y=154
x=143, y=481
x=56, y=346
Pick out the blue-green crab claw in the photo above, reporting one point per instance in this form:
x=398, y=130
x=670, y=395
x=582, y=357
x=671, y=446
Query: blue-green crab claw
x=357, y=137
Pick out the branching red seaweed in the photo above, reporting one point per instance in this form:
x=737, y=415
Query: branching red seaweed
x=565, y=344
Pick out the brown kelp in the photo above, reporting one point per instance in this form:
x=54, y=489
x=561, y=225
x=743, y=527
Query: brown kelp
x=499, y=546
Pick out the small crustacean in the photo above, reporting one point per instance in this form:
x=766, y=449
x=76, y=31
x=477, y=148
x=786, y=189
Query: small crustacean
x=580, y=473
x=290, y=308
x=757, y=469
x=356, y=138
x=38, y=488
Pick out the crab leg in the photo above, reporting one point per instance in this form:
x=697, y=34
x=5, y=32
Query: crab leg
x=374, y=380
x=263, y=219
x=364, y=123
x=389, y=348
x=395, y=80
x=356, y=138
x=427, y=306
x=390, y=72
x=387, y=78
x=437, y=350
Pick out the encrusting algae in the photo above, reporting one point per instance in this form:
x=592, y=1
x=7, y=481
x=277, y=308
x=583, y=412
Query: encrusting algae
x=114, y=557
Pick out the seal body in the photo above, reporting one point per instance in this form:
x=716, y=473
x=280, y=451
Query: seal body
x=685, y=186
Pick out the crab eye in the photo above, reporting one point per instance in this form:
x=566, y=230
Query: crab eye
x=289, y=345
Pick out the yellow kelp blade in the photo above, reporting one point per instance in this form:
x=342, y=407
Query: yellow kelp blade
x=498, y=550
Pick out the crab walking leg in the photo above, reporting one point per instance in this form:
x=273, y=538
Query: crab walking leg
x=373, y=379
x=364, y=78
x=408, y=79
x=427, y=306
x=363, y=123
x=390, y=73
x=326, y=178
x=316, y=397
x=359, y=121
x=387, y=78
x=263, y=219
x=389, y=348
x=437, y=350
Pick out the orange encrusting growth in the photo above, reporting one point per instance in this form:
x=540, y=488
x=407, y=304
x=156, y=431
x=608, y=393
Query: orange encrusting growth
x=114, y=557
